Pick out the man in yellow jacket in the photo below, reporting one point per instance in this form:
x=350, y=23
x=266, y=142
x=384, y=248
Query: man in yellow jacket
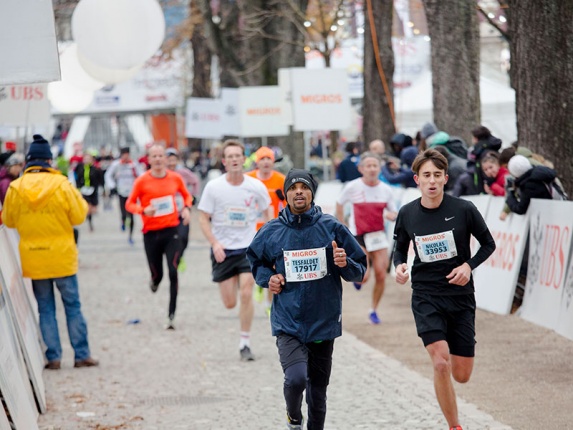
x=44, y=206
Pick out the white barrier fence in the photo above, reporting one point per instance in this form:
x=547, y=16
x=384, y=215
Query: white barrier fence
x=548, y=299
x=21, y=348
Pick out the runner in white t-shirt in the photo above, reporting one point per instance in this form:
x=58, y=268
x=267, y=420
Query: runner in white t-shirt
x=228, y=217
x=371, y=201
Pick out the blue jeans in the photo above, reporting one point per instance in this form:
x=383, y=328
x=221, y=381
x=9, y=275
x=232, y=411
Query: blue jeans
x=77, y=327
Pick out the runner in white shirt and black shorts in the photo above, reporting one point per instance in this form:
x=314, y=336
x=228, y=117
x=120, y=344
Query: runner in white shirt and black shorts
x=229, y=210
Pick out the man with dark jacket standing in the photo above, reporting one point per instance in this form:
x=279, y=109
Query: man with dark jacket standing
x=44, y=206
x=301, y=256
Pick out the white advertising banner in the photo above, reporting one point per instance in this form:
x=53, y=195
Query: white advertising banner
x=157, y=86
x=481, y=202
x=24, y=105
x=29, y=50
x=320, y=99
x=260, y=112
x=231, y=120
x=14, y=383
x=326, y=195
x=565, y=322
x=203, y=119
x=24, y=318
x=496, y=278
x=550, y=229
x=285, y=94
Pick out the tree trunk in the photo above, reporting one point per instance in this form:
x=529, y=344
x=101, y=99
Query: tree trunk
x=542, y=74
x=287, y=51
x=455, y=53
x=378, y=122
x=201, y=63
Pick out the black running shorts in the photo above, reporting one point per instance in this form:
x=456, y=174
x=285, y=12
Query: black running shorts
x=449, y=318
x=234, y=264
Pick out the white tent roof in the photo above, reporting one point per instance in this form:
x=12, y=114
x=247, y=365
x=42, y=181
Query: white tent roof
x=413, y=106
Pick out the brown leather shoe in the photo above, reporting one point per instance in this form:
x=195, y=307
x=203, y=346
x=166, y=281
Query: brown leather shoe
x=53, y=365
x=88, y=362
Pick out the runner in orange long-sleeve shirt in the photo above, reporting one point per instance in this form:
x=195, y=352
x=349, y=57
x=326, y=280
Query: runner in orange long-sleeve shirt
x=155, y=190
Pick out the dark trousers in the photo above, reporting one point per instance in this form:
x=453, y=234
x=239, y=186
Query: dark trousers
x=306, y=366
x=157, y=243
x=125, y=214
x=184, y=237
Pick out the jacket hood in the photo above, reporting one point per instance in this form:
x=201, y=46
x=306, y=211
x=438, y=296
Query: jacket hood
x=4, y=173
x=492, y=143
x=309, y=217
x=38, y=185
x=537, y=174
x=439, y=138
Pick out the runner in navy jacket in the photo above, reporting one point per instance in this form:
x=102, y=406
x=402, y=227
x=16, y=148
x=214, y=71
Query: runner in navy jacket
x=301, y=256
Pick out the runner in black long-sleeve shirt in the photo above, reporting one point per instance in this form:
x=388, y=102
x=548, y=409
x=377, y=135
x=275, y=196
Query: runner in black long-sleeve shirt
x=443, y=303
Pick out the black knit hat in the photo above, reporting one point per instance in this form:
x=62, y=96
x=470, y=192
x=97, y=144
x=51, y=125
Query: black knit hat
x=300, y=175
x=39, y=149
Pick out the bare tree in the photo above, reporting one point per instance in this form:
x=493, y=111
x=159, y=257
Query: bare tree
x=378, y=110
x=542, y=75
x=455, y=54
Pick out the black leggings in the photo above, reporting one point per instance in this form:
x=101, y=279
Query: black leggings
x=310, y=370
x=125, y=214
x=157, y=243
x=184, y=237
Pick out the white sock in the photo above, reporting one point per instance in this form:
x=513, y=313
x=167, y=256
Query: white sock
x=245, y=339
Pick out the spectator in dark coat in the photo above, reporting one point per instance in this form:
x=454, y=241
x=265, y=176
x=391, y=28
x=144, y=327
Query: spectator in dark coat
x=348, y=169
x=457, y=166
x=530, y=183
x=483, y=141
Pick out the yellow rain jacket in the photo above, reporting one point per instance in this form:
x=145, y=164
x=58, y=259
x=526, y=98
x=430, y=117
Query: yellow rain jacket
x=43, y=206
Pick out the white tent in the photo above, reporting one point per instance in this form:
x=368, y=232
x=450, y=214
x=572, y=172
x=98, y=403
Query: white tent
x=413, y=107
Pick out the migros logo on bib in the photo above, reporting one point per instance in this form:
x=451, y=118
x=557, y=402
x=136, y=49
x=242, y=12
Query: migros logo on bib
x=434, y=237
x=310, y=253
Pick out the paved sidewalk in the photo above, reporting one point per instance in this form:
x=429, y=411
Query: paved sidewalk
x=192, y=378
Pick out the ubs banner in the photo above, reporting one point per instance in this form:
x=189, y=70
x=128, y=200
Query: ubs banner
x=496, y=278
x=545, y=301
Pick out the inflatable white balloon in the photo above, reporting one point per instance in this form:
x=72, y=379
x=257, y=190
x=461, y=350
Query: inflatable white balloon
x=118, y=34
x=68, y=98
x=103, y=74
x=72, y=71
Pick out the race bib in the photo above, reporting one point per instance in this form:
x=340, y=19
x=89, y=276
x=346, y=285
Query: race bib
x=163, y=206
x=87, y=191
x=236, y=216
x=375, y=241
x=305, y=265
x=436, y=247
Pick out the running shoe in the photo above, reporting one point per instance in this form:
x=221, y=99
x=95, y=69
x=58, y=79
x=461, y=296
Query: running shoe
x=259, y=294
x=357, y=286
x=122, y=227
x=456, y=428
x=130, y=241
x=153, y=286
x=374, y=318
x=182, y=266
x=170, y=323
x=294, y=424
x=246, y=354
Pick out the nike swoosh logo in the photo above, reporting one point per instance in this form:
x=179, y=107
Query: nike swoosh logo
x=447, y=219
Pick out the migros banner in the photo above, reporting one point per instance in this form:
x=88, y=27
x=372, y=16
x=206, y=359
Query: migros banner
x=320, y=99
